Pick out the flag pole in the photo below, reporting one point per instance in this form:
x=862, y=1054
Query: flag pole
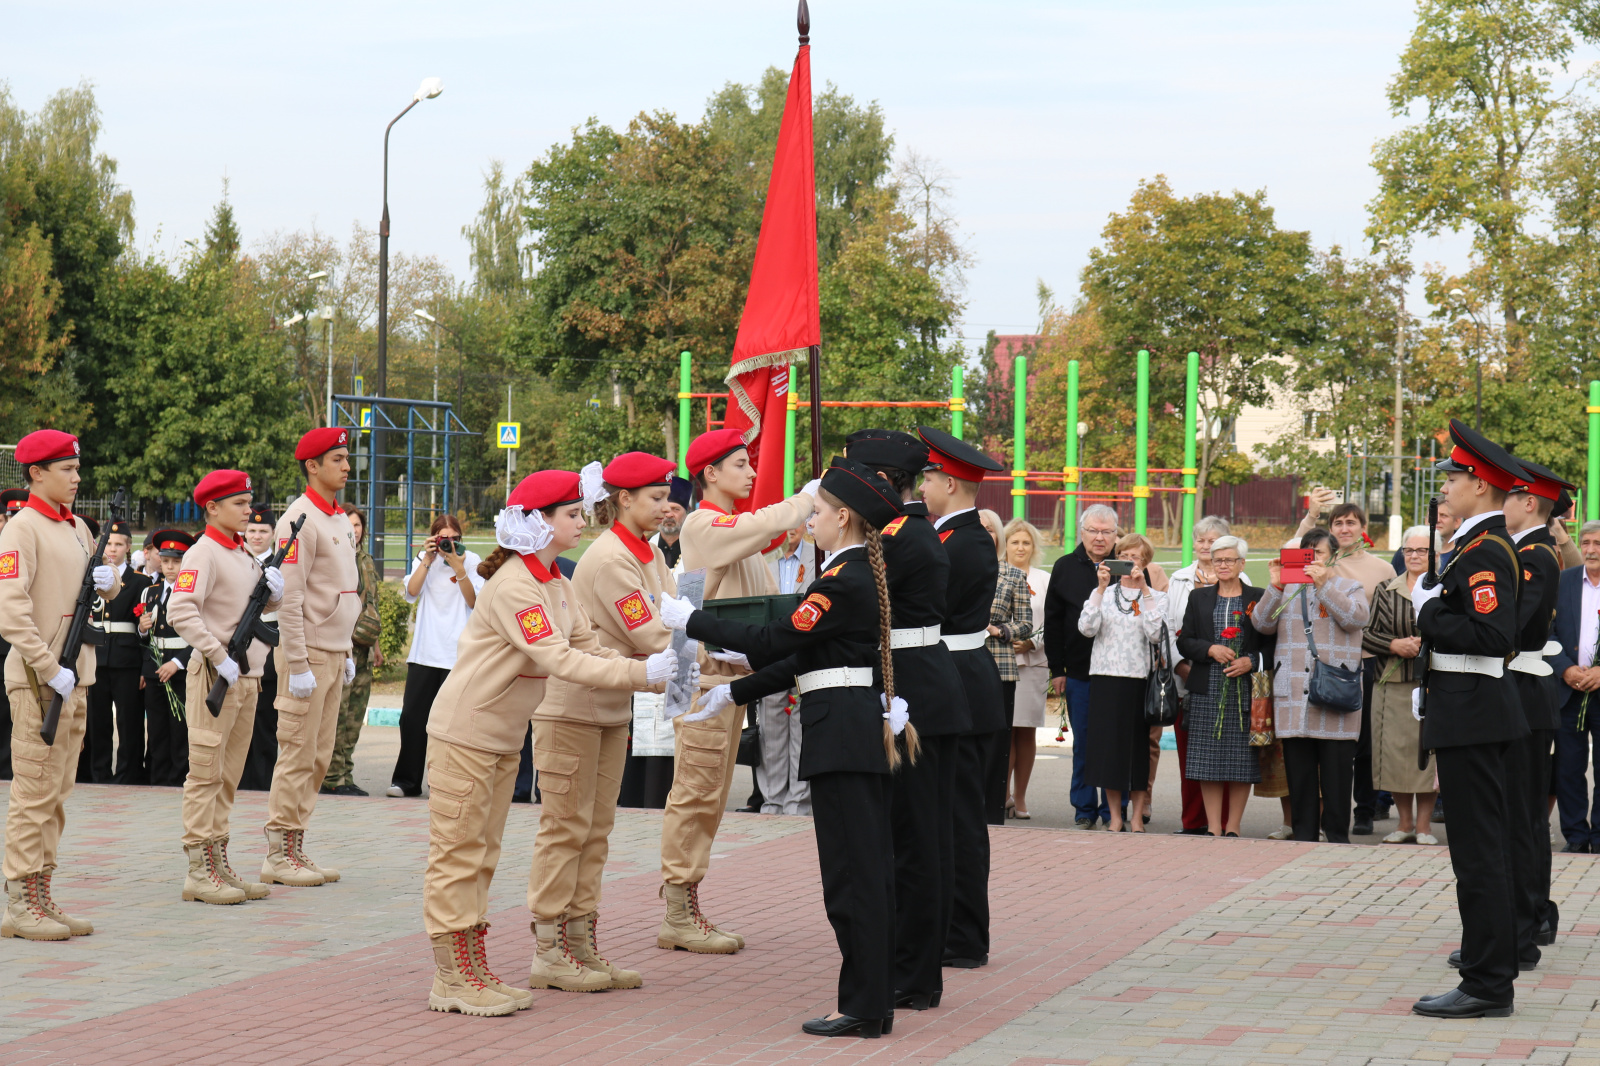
x=814, y=355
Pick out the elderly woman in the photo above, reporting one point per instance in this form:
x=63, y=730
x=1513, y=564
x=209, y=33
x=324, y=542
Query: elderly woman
x=1223, y=649
x=1319, y=744
x=1024, y=547
x=1391, y=636
x=1124, y=619
x=1010, y=620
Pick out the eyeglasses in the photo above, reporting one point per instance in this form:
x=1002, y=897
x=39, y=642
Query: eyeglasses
x=1414, y=551
x=1099, y=532
x=1225, y=562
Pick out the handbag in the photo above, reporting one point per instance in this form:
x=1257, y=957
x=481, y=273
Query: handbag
x=1262, y=726
x=1161, y=691
x=1333, y=688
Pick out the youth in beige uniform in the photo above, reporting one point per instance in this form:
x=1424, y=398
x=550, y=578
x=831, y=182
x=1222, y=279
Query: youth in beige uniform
x=215, y=583
x=526, y=629
x=318, y=614
x=44, y=549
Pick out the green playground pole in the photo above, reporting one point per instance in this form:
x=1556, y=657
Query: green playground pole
x=1069, y=476
x=793, y=406
x=958, y=404
x=1191, y=404
x=685, y=387
x=1019, y=439
x=1141, y=462
x=1591, y=502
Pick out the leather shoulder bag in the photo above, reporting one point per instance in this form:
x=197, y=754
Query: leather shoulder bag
x=1333, y=688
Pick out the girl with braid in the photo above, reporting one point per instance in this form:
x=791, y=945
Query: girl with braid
x=828, y=648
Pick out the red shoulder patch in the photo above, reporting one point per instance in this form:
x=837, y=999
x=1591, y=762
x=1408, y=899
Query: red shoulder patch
x=725, y=520
x=186, y=581
x=8, y=565
x=821, y=600
x=634, y=610
x=945, y=535
x=1484, y=600
x=1527, y=576
x=894, y=527
x=835, y=570
x=535, y=626
x=294, y=550
x=807, y=615
x=1480, y=577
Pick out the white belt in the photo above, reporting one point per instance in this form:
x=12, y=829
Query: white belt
x=921, y=637
x=168, y=643
x=1488, y=665
x=1532, y=662
x=120, y=627
x=965, y=641
x=269, y=616
x=838, y=677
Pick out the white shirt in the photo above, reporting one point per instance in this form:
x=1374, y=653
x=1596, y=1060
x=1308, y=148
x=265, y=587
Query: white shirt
x=1468, y=524
x=1516, y=538
x=1588, y=620
x=788, y=567
x=442, y=612
x=938, y=523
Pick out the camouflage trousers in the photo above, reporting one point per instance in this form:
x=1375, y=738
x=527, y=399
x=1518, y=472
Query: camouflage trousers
x=352, y=715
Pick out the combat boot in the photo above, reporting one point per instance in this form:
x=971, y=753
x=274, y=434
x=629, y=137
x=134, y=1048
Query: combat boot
x=25, y=914
x=583, y=939
x=694, y=905
x=480, y=965
x=79, y=926
x=456, y=985
x=219, y=859
x=282, y=868
x=685, y=927
x=204, y=884
x=554, y=966
x=295, y=843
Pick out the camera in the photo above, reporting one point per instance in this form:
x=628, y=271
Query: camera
x=447, y=546
x=1119, y=567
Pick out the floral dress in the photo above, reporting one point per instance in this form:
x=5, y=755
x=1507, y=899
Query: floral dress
x=1218, y=719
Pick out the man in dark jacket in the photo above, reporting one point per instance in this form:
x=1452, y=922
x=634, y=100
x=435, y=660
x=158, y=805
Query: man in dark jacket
x=119, y=662
x=1067, y=650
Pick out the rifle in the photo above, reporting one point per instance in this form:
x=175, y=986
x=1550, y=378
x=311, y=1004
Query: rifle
x=251, y=628
x=1429, y=580
x=80, y=631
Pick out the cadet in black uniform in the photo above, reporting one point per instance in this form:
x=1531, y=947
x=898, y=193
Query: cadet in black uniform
x=1468, y=624
x=11, y=501
x=263, y=756
x=118, y=666
x=165, y=665
x=831, y=645
x=950, y=489
x=923, y=815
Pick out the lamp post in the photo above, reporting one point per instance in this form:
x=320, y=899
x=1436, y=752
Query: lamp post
x=1461, y=297
x=1395, y=521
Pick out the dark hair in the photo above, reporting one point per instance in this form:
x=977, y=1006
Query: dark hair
x=699, y=476
x=27, y=471
x=500, y=556
x=1315, y=537
x=441, y=522
x=1340, y=510
x=900, y=480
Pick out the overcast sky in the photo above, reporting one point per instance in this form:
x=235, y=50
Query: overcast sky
x=1047, y=114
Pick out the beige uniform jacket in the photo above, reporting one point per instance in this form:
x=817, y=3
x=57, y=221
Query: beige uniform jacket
x=321, y=601
x=621, y=594
x=729, y=546
x=527, y=627
x=42, y=559
x=209, y=597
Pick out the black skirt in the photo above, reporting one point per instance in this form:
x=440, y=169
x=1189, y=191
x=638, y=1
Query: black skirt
x=1118, y=740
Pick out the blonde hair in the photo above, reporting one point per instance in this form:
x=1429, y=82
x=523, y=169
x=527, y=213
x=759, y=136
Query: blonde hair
x=1033, y=533
x=1147, y=551
x=992, y=524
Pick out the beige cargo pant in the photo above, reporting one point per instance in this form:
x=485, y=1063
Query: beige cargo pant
x=701, y=778
x=469, y=795
x=217, y=750
x=580, y=777
x=305, y=739
x=41, y=779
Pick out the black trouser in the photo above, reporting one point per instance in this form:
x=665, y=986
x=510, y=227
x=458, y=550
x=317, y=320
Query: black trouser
x=5, y=734
x=1475, y=777
x=924, y=863
x=968, y=935
x=422, y=685
x=1319, y=775
x=1528, y=816
x=855, y=850
x=119, y=686
x=1365, y=796
x=168, y=757
x=998, y=768
x=262, y=758
x=522, y=788
x=646, y=780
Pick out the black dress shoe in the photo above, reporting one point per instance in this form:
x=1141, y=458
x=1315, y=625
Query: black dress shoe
x=1545, y=935
x=522, y=797
x=1523, y=964
x=1362, y=827
x=350, y=790
x=1457, y=1004
x=917, y=1000
x=844, y=1025
x=962, y=963
x=747, y=810
x=1189, y=832
x=1576, y=849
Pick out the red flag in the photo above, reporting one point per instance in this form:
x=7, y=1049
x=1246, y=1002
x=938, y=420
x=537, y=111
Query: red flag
x=780, y=320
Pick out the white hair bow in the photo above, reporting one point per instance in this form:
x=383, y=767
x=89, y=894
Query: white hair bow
x=896, y=712
x=592, y=482
x=524, y=532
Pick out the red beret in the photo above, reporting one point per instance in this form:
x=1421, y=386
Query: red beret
x=320, y=442
x=220, y=484
x=635, y=470
x=46, y=446
x=547, y=488
x=712, y=447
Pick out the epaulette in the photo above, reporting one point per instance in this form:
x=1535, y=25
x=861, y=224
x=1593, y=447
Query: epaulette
x=835, y=570
x=894, y=527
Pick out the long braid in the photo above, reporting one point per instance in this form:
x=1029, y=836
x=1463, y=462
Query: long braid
x=885, y=652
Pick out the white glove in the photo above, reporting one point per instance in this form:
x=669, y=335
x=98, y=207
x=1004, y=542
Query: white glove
x=675, y=611
x=812, y=486
x=712, y=703
x=896, y=713
x=1420, y=596
x=64, y=681
x=104, y=578
x=301, y=686
x=349, y=669
x=228, y=670
x=660, y=666
x=274, y=582
x=1416, y=704
x=737, y=658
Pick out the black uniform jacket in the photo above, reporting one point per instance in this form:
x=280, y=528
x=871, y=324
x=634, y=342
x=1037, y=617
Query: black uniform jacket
x=974, y=569
x=1475, y=614
x=919, y=572
x=1536, y=618
x=155, y=601
x=122, y=651
x=835, y=625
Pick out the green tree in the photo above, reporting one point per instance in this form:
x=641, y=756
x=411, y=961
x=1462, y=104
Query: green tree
x=501, y=261
x=222, y=233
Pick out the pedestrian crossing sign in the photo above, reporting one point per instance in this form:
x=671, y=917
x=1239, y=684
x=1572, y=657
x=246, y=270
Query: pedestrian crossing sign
x=366, y=418
x=510, y=434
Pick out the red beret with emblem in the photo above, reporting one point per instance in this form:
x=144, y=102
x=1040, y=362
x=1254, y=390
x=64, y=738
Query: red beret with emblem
x=635, y=470
x=712, y=447
x=46, y=446
x=547, y=488
x=321, y=441
x=220, y=484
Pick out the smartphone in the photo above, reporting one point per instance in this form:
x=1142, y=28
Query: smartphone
x=1293, y=562
x=1119, y=567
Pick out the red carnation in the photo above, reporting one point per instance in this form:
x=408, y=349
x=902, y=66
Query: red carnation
x=138, y=609
x=1230, y=632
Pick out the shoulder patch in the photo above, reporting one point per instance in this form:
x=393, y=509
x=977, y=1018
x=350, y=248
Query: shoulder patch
x=634, y=610
x=294, y=550
x=818, y=598
x=894, y=527
x=835, y=570
x=725, y=520
x=1527, y=576
x=8, y=565
x=1484, y=600
x=535, y=626
x=808, y=614
x=1480, y=577
x=945, y=535
x=186, y=581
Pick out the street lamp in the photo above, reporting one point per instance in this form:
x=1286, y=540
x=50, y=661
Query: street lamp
x=1461, y=297
x=1399, y=405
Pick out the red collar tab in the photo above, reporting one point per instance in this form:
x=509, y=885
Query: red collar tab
x=38, y=504
x=707, y=505
x=223, y=538
x=537, y=569
x=640, y=550
x=325, y=506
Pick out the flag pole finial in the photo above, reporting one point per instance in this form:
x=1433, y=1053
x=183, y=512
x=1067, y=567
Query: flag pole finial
x=803, y=21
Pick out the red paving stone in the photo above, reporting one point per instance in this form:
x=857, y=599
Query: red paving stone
x=1064, y=905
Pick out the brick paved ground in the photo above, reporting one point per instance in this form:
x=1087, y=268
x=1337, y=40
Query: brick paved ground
x=1109, y=949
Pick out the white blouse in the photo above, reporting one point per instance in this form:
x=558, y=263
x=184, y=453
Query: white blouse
x=1122, y=641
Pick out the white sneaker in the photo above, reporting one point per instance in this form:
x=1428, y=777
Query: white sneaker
x=1427, y=838
x=395, y=792
x=1400, y=837
x=1283, y=832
